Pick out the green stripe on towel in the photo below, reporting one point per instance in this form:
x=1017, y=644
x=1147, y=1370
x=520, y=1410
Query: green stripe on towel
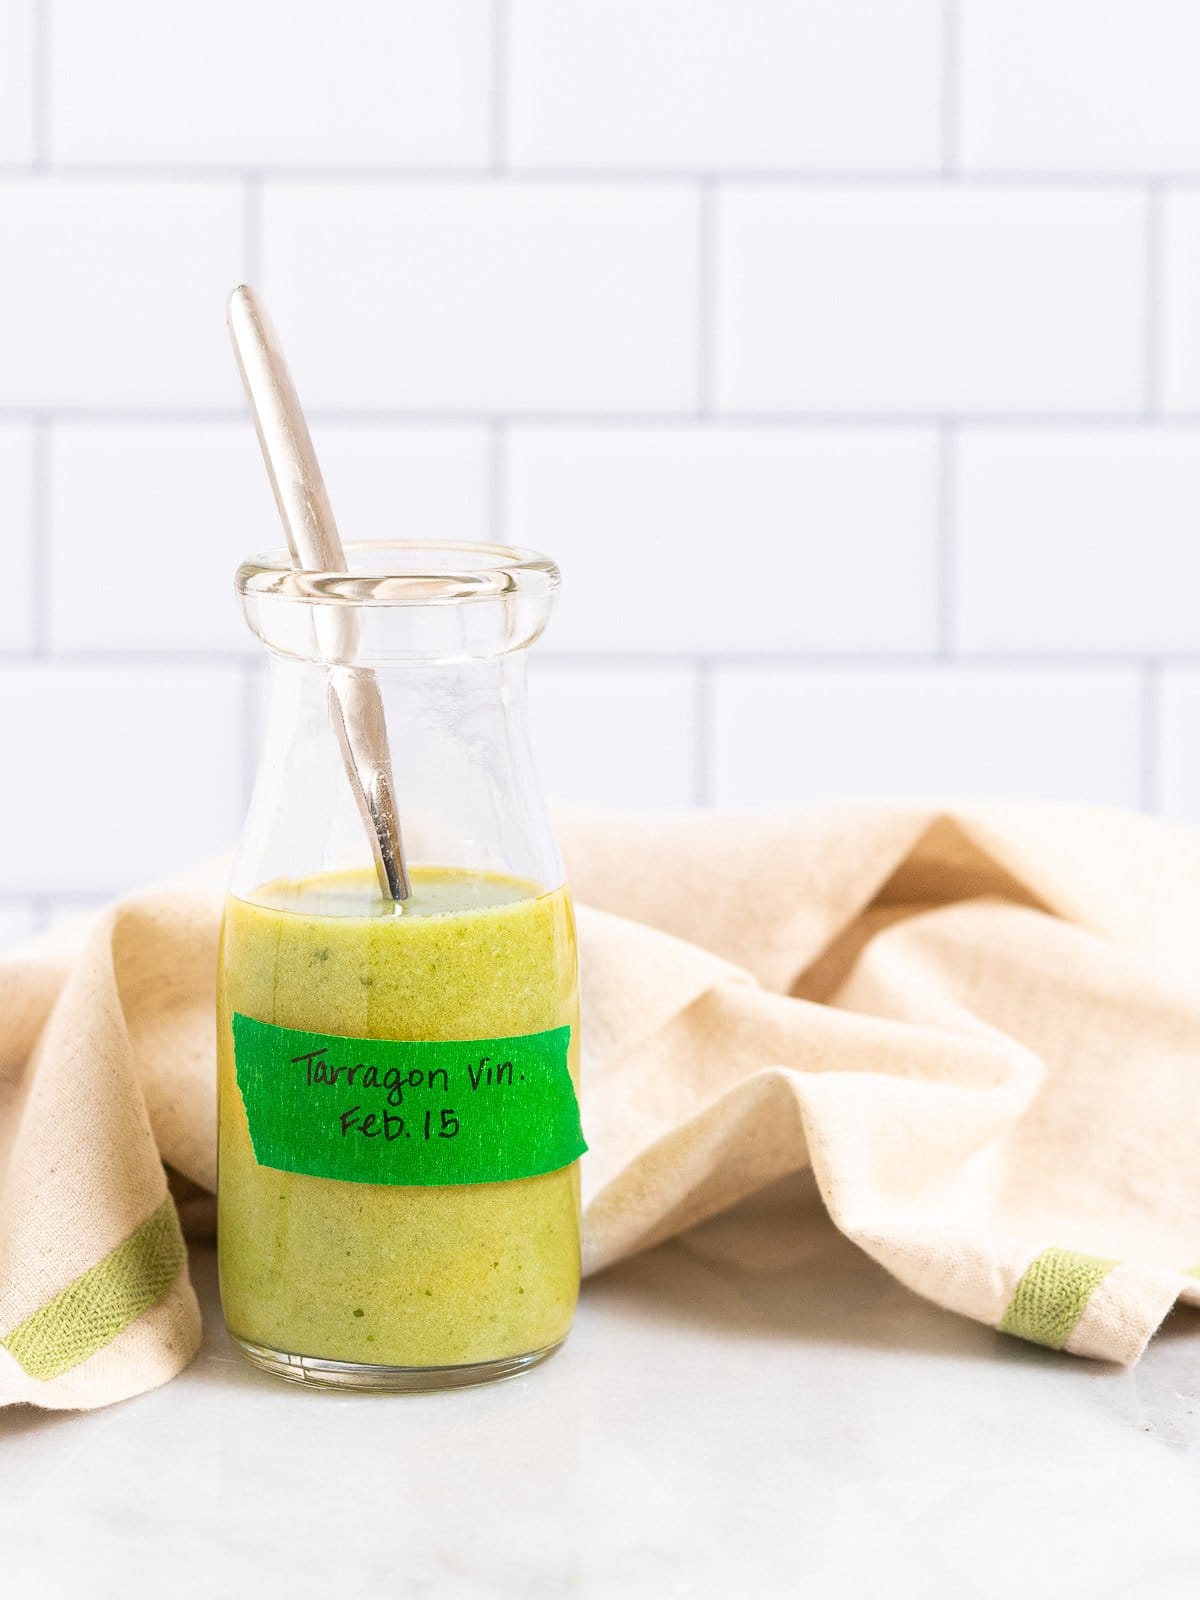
x=92, y=1311
x=1051, y=1296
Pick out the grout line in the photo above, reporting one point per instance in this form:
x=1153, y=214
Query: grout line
x=1153, y=301
x=853, y=661
x=702, y=743
x=951, y=55
x=497, y=480
x=252, y=224
x=945, y=597
x=498, y=88
x=1149, y=796
x=706, y=266
x=415, y=416
x=188, y=660
x=866, y=418
x=43, y=534
x=33, y=899
x=919, y=659
x=117, y=416
x=238, y=172
x=40, y=68
x=679, y=177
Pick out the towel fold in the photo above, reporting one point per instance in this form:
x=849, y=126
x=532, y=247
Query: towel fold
x=979, y=1027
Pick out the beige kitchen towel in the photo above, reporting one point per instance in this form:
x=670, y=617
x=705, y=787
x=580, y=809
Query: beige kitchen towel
x=979, y=1027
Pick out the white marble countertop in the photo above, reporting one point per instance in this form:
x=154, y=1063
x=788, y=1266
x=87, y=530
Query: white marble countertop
x=754, y=1411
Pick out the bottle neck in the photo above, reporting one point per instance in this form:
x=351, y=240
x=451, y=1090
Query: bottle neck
x=461, y=763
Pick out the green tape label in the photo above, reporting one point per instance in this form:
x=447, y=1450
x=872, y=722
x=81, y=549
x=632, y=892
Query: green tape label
x=389, y=1111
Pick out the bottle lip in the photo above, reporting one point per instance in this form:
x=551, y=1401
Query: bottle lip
x=402, y=572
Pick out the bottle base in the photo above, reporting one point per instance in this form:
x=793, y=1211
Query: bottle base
x=316, y=1373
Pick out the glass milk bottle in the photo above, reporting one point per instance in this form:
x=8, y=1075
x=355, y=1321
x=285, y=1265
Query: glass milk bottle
x=399, y=1131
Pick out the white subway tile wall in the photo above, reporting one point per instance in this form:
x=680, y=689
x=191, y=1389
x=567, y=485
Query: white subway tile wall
x=188, y=503
x=1178, y=244
x=1061, y=733
x=1081, y=85
x=845, y=352
x=681, y=85
x=1077, y=540
x=482, y=296
x=929, y=298
x=701, y=540
x=108, y=288
x=616, y=735
x=123, y=769
x=17, y=922
x=16, y=80
x=1177, y=708
x=18, y=446
x=270, y=83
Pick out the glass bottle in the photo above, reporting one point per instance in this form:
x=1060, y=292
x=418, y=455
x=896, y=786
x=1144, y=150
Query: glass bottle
x=398, y=1195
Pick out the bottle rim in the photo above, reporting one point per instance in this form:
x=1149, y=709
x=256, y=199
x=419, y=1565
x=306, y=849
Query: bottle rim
x=403, y=572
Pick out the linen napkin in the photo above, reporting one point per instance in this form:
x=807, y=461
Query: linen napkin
x=980, y=1027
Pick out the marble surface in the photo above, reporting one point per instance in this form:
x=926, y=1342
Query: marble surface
x=753, y=1411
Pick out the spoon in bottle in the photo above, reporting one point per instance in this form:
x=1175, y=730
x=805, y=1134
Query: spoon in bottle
x=355, y=703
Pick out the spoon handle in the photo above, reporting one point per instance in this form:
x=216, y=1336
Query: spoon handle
x=356, y=706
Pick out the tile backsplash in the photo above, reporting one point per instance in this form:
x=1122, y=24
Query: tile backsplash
x=846, y=353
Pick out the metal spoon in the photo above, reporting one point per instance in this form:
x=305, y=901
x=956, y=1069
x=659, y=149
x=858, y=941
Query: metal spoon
x=355, y=704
